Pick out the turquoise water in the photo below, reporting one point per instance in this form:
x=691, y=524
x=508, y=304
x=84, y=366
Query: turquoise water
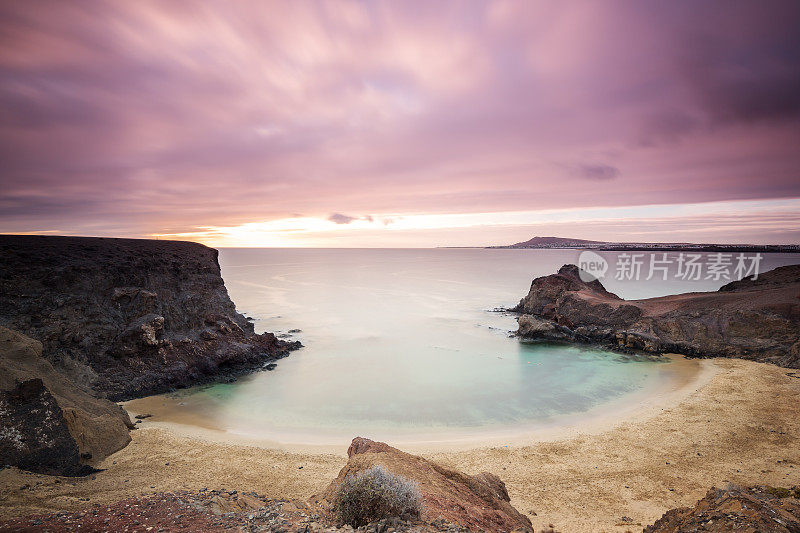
x=405, y=342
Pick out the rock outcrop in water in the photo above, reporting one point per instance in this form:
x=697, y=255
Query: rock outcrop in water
x=478, y=503
x=128, y=317
x=48, y=424
x=752, y=319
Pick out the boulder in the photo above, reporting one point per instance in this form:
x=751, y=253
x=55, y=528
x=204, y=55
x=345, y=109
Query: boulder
x=532, y=327
x=139, y=335
x=33, y=432
x=479, y=503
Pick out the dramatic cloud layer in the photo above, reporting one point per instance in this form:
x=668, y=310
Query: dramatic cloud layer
x=138, y=118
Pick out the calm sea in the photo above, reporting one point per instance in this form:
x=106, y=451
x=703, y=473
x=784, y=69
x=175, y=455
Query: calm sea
x=404, y=342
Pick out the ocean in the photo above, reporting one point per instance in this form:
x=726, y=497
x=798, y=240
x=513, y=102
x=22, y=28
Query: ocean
x=405, y=343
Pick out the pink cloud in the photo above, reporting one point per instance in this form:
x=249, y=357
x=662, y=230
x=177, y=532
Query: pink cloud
x=145, y=117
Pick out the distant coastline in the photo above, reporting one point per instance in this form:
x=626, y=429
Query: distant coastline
x=544, y=243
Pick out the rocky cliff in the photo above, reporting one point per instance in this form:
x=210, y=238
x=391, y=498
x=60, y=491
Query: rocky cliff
x=752, y=319
x=128, y=317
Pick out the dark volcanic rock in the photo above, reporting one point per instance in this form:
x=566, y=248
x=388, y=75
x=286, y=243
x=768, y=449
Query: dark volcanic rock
x=128, y=317
x=33, y=433
x=735, y=509
x=98, y=427
x=478, y=503
x=753, y=319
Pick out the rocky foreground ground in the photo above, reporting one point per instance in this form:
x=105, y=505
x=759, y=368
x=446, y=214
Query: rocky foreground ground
x=211, y=511
x=733, y=509
x=752, y=319
x=204, y=511
x=452, y=502
x=737, y=509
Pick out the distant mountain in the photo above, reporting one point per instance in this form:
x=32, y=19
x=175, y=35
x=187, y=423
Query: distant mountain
x=554, y=242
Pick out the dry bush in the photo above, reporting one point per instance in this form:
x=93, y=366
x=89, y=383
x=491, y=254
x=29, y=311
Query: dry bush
x=376, y=494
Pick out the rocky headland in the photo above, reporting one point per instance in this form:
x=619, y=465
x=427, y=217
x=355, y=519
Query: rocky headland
x=751, y=319
x=125, y=318
x=87, y=320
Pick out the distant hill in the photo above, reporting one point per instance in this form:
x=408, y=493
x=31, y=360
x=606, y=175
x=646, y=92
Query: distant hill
x=554, y=242
x=562, y=242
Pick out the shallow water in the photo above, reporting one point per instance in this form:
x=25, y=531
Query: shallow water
x=405, y=342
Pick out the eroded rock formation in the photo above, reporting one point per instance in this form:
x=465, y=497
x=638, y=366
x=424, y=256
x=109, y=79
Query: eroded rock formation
x=752, y=319
x=128, y=317
x=479, y=503
x=47, y=423
x=33, y=433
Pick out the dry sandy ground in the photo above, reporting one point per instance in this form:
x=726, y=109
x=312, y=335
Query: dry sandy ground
x=742, y=426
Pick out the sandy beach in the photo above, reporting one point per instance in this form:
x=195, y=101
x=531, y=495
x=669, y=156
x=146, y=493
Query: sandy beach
x=737, y=421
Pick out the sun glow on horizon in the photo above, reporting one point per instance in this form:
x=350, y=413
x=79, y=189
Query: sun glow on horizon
x=719, y=221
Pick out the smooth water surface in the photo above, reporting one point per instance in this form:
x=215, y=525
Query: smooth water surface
x=405, y=342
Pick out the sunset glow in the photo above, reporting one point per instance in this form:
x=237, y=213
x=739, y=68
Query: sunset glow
x=750, y=221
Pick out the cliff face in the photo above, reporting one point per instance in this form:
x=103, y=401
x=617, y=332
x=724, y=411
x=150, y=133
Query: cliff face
x=757, y=320
x=128, y=317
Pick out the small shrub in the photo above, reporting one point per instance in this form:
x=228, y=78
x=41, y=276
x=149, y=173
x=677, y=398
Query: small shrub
x=376, y=494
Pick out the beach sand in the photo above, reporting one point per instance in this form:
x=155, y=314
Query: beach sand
x=735, y=421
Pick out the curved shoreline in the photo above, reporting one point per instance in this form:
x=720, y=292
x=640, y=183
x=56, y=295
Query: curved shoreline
x=687, y=376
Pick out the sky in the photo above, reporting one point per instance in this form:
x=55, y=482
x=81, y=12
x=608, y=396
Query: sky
x=409, y=123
